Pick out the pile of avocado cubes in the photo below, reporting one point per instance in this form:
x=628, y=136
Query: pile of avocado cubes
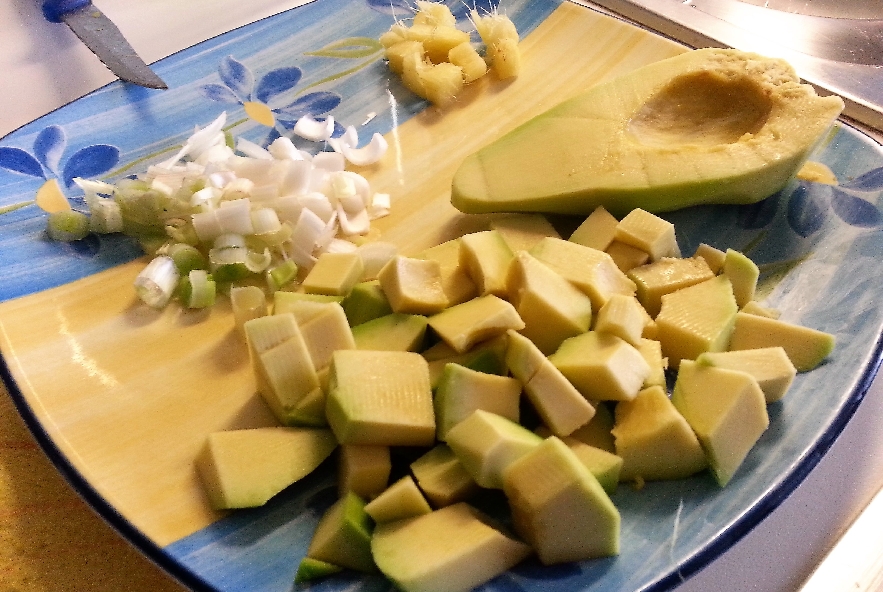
x=513, y=360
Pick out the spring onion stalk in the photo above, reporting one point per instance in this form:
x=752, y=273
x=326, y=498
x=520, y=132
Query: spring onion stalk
x=157, y=282
x=281, y=274
x=236, y=210
x=67, y=225
x=186, y=258
x=197, y=289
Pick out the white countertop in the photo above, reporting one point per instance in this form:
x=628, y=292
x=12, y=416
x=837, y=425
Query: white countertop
x=43, y=66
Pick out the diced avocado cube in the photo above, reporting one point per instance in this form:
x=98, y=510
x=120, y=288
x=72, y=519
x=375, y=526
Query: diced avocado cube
x=712, y=256
x=806, y=347
x=654, y=441
x=442, y=477
x=454, y=549
x=559, y=507
x=327, y=332
x=464, y=325
x=604, y=465
x=596, y=231
x=743, y=274
x=487, y=444
x=649, y=233
x=626, y=256
x=381, y=398
x=284, y=301
x=727, y=411
x=770, y=366
x=522, y=231
x=486, y=258
x=363, y=469
x=402, y=499
x=310, y=569
x=366, y=301
x=667, y=275
x=602, y=366
x=462, y=390
x=651, y=351
x=343, y=535
x=755, y=308
x=245, y=468
x=455, y=280
x=392, y=332
x=413, y=286
x=334, y=274
x=552, y=308
x=561, y=406
x=622, y=316
x=283, y=367
x=597, y=432
x=590, y=270
x=489, y=357
x=697, y=319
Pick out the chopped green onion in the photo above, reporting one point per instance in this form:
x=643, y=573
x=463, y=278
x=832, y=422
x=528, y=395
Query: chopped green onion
x=105, y=216
x=157, y=282
x=281, y=275
x=198, y=289
x=67, y=226
x=186, y=258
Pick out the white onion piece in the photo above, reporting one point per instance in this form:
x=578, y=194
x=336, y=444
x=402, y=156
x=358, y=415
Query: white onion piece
x=380, y=205
x=317, y=131
x=338, y=245
x=235, y=216
x=206, y=198
x=284, y=149
x=349, y=138
x=296, y=178
x=257, y=262
x=91, y=187
x=329, y=162
x=317, y=203
x=265, y=220
x=229, y=240
x=160, y=187
x=353, y=223
x=250, y=149
x=206, y=226
x=370, y=153
x=156, y=283
x=217, y=153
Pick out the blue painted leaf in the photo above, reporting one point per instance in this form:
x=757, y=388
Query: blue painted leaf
x=219, y=93
x=19, y=161
x=237, y=77
x=90, y=161
x=316, y=103
x=271, y=137
x=349, y=48
x=49, y=146
x=276, y=82
x=870, y=181
x=393, y=7
x=853, y=210
x=807, y=208
x=760, y=214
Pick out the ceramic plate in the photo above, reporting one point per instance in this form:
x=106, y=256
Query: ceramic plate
x=122, y=396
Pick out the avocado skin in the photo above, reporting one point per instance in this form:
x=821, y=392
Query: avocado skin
x=707, y=126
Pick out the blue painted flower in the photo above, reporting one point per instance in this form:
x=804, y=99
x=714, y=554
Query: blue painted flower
x=256, y=97
x=402, y=9
x=810, y=204
x=45, y=163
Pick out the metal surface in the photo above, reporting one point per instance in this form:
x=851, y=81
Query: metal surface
x=107, y=42
x=776, y=34
x=855, y=41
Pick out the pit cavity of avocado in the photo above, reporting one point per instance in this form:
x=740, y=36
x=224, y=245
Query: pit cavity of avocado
x=703, y=108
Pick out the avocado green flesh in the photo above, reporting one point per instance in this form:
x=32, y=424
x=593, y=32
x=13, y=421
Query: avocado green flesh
x=707, y=126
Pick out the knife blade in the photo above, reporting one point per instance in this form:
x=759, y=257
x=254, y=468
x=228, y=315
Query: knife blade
x=104, y=39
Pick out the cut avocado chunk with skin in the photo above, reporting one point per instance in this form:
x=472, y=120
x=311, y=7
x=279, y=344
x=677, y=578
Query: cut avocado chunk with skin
x=454, y=549
x=707, y=126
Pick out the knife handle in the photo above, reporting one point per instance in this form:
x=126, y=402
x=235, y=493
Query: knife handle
x=54, y=10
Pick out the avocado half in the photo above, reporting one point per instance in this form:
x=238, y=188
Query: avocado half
x=706, y=126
